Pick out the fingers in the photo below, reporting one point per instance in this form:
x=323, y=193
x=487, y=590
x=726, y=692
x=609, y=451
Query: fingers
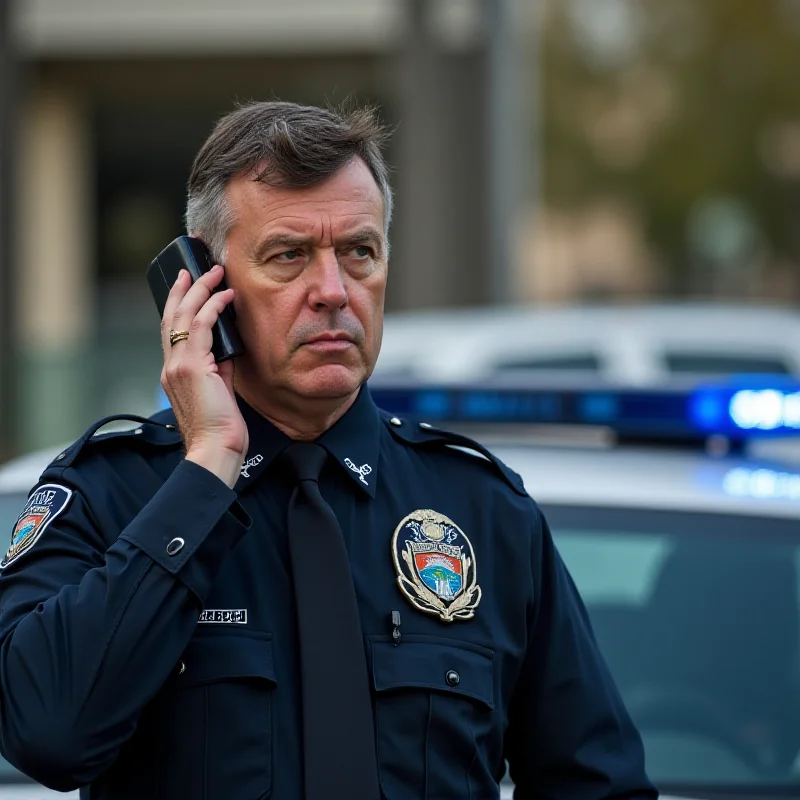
x=194, y=299
x=200, y=329
x=191, y=358
x=176, y=294
x=185, y=301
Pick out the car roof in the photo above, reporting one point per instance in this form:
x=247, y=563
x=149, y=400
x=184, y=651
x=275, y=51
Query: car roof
x=629, y=341
x=21, y=474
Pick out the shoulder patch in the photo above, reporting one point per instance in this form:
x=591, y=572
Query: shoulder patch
x=423, y=434
x=158, y=430
x=43, y=506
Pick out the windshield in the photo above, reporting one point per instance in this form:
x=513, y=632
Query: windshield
x=698, y=617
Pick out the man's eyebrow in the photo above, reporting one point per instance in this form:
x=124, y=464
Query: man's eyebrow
x=368, y=235
x=285, y=241
x=291, y=241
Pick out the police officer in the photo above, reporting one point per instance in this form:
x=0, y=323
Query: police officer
x=275, y=589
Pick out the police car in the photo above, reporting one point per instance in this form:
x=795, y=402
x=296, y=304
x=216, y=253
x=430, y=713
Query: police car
x=677, y=514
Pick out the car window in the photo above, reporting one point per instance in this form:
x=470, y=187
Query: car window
x=698, y=617
x=723, y=364
x=584, y=362
x=614, y=569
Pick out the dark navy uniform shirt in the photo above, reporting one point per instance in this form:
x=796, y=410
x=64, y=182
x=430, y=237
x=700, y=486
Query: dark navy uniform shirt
x=148, y=644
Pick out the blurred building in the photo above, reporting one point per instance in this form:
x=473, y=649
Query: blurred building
x=115, y=97
x=671, y=131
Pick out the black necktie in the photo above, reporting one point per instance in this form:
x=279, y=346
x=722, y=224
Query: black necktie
x=338, y=730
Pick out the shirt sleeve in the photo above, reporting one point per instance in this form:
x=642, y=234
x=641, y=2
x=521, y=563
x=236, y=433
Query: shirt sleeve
x=90, y=632
x=569, y=736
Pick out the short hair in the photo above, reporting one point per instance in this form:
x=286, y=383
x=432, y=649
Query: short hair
x=290, y=145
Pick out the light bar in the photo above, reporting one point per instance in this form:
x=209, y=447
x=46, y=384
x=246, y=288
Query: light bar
x=747, y=411
x=736, y=411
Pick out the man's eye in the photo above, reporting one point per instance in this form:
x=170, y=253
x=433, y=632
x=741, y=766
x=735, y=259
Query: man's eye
x=362, y=251
x=288, y=255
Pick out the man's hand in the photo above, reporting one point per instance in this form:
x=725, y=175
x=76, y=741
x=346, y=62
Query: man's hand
x=199, y=389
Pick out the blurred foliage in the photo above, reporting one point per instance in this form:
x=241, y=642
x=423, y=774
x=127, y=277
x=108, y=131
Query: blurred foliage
x=669, y=103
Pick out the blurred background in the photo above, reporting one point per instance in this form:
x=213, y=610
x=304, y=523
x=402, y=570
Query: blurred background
x=548, y=154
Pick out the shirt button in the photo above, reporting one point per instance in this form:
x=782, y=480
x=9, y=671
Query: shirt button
x=175, y=546
x=452, y=678
x=396, y=422
x=181, y=667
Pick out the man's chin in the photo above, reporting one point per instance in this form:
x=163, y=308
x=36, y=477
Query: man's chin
x=330, y=381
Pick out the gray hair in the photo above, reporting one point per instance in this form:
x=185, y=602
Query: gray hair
x=290, y=145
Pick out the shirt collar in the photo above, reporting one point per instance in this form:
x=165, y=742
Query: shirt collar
x=353, y=442
x=266, y=442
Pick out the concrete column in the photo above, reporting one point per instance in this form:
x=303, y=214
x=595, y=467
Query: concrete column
x=9, y=80
x=502, y=150
x=457, y=164
x=56, y=269
x=419, y=269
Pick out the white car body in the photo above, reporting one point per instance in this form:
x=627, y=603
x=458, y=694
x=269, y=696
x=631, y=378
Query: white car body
x=33, y=792
x=633, y=346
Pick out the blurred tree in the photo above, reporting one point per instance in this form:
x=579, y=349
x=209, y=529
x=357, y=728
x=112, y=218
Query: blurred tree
x=688, y=110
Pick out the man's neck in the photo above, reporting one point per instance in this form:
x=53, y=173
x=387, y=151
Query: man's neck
x=301, y=419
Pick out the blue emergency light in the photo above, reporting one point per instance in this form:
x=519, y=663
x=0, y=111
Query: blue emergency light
x=736, y=410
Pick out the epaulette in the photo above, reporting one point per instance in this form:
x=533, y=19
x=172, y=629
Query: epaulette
x=159, y=430
x=424, y=434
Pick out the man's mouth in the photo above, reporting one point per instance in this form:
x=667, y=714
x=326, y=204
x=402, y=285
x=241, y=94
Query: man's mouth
x=331, y=342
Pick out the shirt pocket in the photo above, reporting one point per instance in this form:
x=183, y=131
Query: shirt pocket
x=434, y=703
x=216, y=720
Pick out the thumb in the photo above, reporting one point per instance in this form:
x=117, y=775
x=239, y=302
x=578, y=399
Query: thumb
x=227, y=371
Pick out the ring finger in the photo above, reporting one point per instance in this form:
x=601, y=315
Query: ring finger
x=190, y=304
x=176, y=294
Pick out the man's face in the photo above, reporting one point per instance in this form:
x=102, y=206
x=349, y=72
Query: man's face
x=308, y=267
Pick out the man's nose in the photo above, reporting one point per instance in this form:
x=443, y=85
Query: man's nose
x=327, y=284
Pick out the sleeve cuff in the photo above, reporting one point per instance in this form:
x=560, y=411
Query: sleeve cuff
x=174, y=527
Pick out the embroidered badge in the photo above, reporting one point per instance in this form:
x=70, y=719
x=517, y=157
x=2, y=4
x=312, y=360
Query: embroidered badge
x=251, y=462
x=43, y=506
x=224, y=616
x=435, y=565
x=361, y=471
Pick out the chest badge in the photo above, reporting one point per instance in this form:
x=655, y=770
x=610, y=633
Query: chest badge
x=435, y=565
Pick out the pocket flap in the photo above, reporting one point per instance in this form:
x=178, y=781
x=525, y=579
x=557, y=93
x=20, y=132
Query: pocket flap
x=219, y=658
x=435, y=666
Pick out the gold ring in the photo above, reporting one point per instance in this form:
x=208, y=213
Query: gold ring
x=177, y=336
